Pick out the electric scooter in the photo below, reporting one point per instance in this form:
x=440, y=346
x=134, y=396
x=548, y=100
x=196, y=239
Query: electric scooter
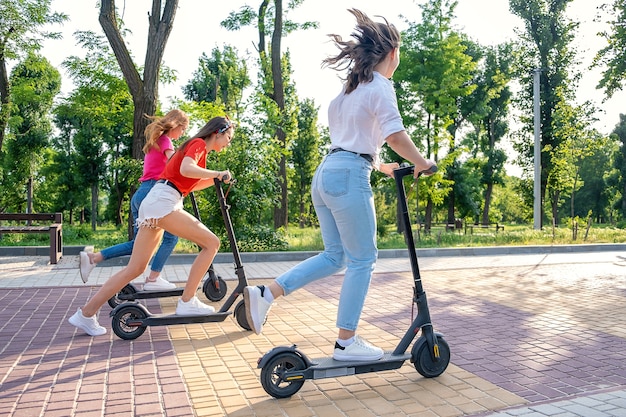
x=284, y=369
x=213, y=287
x=130, y=320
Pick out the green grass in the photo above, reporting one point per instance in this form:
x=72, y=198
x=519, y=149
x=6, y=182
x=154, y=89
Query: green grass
x=309, y=239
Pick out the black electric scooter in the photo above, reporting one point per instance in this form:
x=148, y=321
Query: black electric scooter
x=284, y=369
x=213, y=287
x=129, y=320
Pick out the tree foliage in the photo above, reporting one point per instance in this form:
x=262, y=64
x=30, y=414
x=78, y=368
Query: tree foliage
x=612, y=57
x=22, y=30
x=545, y=45
x=35, y=84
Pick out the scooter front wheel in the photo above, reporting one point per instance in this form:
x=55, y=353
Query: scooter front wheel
x=114, y=301
x=120, y=320
x=273, y=375
x=240, y=315
x=424, y=362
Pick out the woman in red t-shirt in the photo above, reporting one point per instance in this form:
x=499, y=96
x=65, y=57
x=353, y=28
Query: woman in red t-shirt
x=162, y=209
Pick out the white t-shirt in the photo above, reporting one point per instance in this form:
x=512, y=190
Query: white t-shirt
x=362, y=120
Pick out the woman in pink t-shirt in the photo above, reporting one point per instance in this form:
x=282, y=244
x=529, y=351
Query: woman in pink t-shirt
x=162, y=210
x=158, y=150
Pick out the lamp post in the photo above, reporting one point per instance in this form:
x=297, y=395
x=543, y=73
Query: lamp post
x=537, y=126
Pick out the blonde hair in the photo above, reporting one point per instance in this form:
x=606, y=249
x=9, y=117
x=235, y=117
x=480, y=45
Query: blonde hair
x=161, y=125
x=374, y=41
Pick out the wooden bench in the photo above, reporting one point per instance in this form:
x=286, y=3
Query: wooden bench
x=55, y=229
x=496, y=226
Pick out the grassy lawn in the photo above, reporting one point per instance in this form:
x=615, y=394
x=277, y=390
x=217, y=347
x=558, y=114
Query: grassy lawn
x=309, y=239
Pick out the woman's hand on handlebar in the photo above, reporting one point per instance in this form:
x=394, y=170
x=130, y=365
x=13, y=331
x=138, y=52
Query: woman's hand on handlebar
x=225, y=176
x=387, y=169
x=430, y=169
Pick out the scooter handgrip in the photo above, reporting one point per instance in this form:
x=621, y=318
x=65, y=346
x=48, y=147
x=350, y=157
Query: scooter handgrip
x=430, y=171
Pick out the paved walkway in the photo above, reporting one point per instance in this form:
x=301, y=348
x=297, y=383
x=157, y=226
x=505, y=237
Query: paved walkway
x=530, y=335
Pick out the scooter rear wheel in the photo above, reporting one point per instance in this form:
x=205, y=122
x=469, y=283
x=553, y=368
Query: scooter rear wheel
x=120, y=319
x=214, y=287
x=423, y=360
x=114, y=301
x=272, y=375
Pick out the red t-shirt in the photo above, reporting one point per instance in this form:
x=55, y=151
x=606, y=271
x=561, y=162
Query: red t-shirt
x=195, y=149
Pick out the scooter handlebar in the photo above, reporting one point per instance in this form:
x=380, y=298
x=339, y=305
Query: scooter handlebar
x=406, y=169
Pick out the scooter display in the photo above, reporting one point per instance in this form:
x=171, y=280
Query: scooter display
x=285, y=368
x=213, y=287
x=130, y=319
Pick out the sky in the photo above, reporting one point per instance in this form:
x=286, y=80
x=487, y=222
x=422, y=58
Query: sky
x=197, y=30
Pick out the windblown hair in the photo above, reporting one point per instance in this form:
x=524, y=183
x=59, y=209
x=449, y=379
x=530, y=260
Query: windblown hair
x=373, y=42
x=161, y=125
x=217, y=124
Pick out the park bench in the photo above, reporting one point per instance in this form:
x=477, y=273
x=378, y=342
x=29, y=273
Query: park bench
x=54, y=228
x=496, y=226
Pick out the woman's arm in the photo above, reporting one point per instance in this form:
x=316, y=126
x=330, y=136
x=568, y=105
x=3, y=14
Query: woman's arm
x=190, y=169
x=401, y=143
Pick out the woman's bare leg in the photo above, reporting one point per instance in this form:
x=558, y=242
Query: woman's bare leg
x=184, y=225
x=146, y=243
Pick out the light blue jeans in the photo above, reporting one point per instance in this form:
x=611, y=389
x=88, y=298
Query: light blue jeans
x=167, y=244
x=344, y=203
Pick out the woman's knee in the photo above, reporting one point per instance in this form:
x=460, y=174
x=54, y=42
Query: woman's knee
x=209, y=242
x=135, y=269
x=336, y=258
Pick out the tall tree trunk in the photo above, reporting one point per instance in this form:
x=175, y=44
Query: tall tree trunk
x=144, y=92
x=5, y=95
x=488, y=194
x=29, y=195
x=94, y=206
x=280, y=212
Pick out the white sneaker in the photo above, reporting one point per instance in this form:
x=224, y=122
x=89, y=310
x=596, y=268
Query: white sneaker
x=256, y=306
x=359, y=350
x=89, y=325
x=193, y=307
x=158, y=284
x=85, y=266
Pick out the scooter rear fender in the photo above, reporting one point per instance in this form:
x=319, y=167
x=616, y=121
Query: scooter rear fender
x=140, y=306
x=263, y=360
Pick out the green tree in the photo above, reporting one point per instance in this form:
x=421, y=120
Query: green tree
x=144, y=90
x=613, y=56
x=576, y=141
x=221, y=78
x=35, y=83
x=97, y=117
x=619, y=163
x=306, y=154
x=489, y=116
x=22, y=24
x=544, y=45
x=274, y=72
x=435, y=72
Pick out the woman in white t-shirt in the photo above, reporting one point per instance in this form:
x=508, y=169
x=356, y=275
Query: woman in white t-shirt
x=361, y=119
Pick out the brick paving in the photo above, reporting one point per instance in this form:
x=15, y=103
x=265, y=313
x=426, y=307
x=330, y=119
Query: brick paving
x=530, y=335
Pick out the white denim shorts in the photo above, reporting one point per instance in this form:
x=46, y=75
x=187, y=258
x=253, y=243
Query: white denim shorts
x=160, y=201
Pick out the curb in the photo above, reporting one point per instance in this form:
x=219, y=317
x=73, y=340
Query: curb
x=247, y=257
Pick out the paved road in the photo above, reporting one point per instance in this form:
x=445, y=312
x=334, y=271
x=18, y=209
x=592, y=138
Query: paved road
x=540, y=334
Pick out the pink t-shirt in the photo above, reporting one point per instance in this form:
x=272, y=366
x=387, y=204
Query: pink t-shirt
x=155, y=160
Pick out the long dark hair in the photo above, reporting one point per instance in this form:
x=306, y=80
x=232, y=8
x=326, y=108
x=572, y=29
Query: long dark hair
x=219, y=124
x=373, y=42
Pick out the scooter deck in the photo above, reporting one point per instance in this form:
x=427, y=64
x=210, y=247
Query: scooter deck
x=140, y=295
x=168, y=319
x=330, y=368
